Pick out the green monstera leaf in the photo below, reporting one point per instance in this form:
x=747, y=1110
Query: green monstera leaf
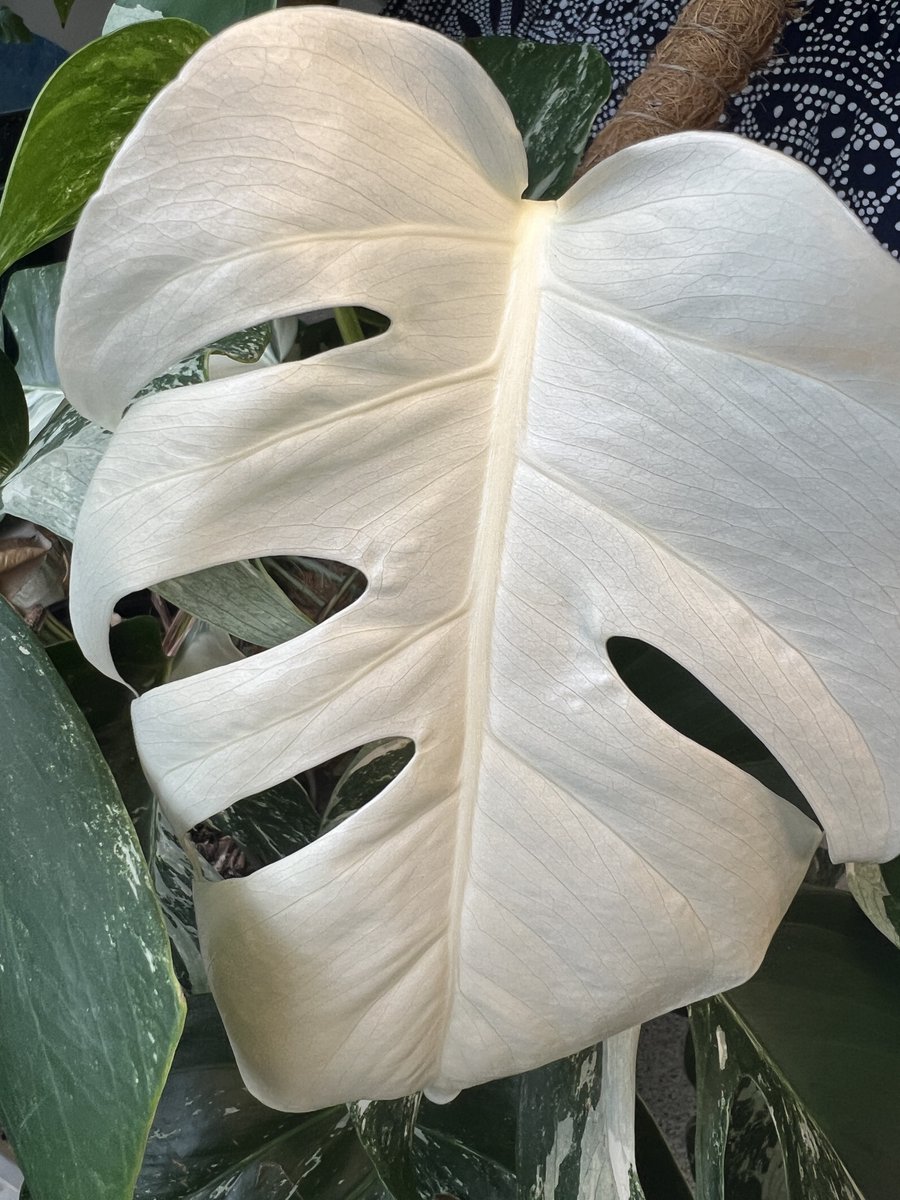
x=663, y=407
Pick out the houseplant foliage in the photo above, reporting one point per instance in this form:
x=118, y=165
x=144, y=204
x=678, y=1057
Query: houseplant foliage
x=81, y=115
x=80, y=920
x=553, y=1131
x=632, y=412
x=829, y=1085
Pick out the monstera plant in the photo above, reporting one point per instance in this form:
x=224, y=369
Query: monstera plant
x=663, y=407
x=613, y=455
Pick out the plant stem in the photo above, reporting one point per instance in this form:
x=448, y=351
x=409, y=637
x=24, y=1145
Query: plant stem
x=52, y=631
x=348, y=325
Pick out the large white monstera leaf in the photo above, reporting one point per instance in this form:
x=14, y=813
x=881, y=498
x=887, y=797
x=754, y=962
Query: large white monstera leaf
x=664, y=407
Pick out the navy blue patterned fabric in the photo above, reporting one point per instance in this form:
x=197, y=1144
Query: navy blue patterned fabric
x=830, y=98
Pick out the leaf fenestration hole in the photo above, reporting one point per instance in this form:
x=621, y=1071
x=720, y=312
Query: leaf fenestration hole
x=280, y=340
x=754, y=1160
x=685, y=704
x=223, y=613
x=262, y=829
x=319, y=332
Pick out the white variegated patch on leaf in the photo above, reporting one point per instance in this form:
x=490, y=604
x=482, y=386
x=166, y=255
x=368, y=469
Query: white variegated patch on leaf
x=664, y=407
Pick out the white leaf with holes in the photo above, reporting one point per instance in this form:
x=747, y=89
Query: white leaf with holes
x=663, y=408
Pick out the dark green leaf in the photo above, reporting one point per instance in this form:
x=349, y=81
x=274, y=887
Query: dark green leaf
x=13, y=418
x=240, y=598
x=211, y=1138
x=245, y=346
x=554, y=1106
x=63, y=8
x=138, y=655
x=571, y=1113
x=484, y=1118
x=318, y=336
x=91, y=1009
x=13, y=29
x=660, y=1176
x=554, y=92
x=30, y=306
x=212, y=15
x=78, y=122
x=677, y=697
x=271, y=824
x=173, y=877
x=386, y=1129
x=817, y=1031
x=444, y=1167
x=465, y=1148
x=371, y=770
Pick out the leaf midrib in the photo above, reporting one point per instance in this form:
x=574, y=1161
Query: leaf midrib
x=519, y=325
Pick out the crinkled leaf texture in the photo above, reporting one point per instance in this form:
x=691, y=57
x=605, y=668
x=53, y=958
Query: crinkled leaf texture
x=663, y=407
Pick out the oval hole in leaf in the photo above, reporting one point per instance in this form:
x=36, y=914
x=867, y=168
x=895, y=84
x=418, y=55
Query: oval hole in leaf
x=282, y=339
x=258, y=603
x=333, y=327
x=677, y=697
x=318, y=587
x=267, y=827
x=754, y=1161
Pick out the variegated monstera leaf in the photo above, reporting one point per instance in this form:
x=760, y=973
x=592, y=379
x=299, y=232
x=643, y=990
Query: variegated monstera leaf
x=664, y=407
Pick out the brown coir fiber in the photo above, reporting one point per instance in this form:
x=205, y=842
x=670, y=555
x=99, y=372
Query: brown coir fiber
x=707, y=56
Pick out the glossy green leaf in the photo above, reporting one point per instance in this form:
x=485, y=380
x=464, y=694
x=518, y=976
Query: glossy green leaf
x=30, y=306
x=466, y=1148
x=246, y=347
x=13, y=418
x=107, y=707
x=415, y=1161
x=241, y=598
x=62, y=425
x=555, y=92
x=212, y=15
x=484, y=1118
x=370, y=771
x=210, y=1138
x=817, y=1031
x=91, y=1009
x=272, y=824
x=76, y=125
x=49, y=488
x=445, y=1167
x=173, y=876
x=575, y=1134
x=386, y=1129
x=12, y=28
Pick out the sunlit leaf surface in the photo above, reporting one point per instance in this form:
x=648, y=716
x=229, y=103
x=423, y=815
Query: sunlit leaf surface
x=663, y=408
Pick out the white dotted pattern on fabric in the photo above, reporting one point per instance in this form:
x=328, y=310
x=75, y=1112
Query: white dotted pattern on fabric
x=830, y=98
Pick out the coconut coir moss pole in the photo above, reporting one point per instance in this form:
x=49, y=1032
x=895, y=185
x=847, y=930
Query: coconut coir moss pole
x=707, y=56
